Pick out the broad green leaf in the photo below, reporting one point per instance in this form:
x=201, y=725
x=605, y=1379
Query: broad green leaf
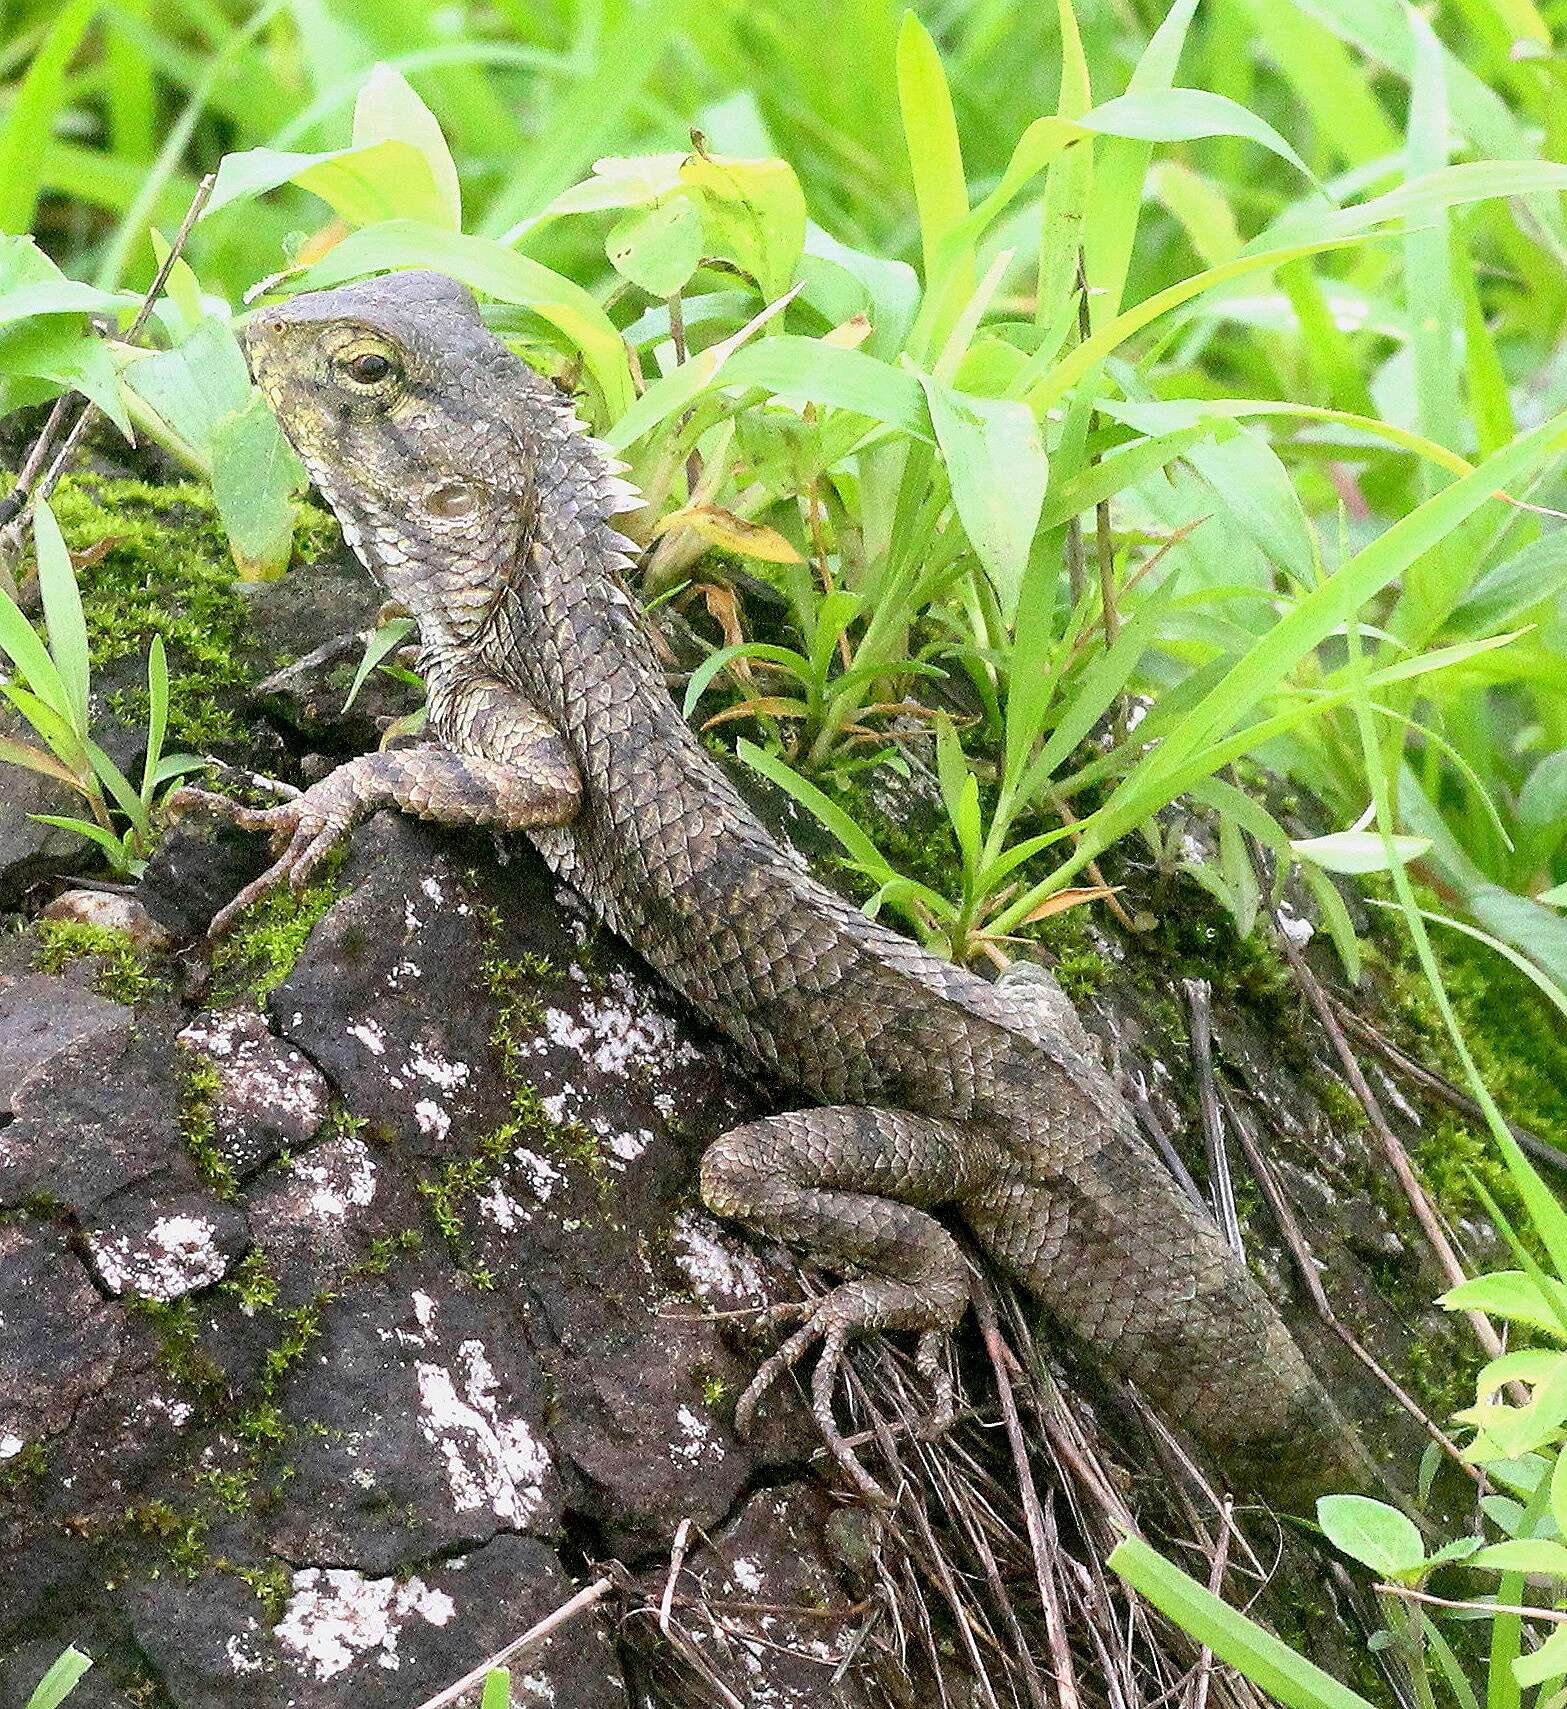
x=1182, y=115
x=753, y=213
x=255, y=479
x=1547, y=1662
x=388, y=110
x=620, y=182
x=1358, y=851
x=657, y=248
x=996, y=465
x=31, y=284
x=1510, y=1294
x=62, y=353
x=1371, y=1532
x=195, y=385
x=1524, y=1554
x=497, y=1689
x=1268, y=1662
x=1520, y=583
x=363, y=186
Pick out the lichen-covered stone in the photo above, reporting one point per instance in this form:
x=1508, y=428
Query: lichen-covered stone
x=269, y=1098
x=422, y=1426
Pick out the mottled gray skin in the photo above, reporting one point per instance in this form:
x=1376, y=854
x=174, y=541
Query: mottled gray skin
x=468, y=488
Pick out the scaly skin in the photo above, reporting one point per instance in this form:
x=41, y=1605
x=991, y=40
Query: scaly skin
x=467, y=486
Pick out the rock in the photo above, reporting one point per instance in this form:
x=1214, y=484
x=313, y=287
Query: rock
x=97, y=1117
x=58, y=1340
x=269, y=1097
x=40, y=1016
x=423, y=1427
x=377, y=1641
x=197, y=866
x=162, y=1248
x=383, y=998
x=30, y=851
x=316, y=620
x=21, y=1671
x=111, y=912
x=329, y=1213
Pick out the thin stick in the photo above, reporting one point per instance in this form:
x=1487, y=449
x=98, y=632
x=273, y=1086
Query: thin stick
x=535, y=1635
x=1441, y=1088
x=677, y=1556
x=1033, y=1513
x=1398, y=1158
x=1199, y=1007
x=15, y=505
x=1300, y=1251
x=1221, y=1554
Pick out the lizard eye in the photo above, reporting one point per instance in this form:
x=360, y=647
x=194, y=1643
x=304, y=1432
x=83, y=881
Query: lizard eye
x=368, y=368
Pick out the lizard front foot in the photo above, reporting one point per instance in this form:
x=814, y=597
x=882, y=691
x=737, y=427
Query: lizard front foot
x=304, y=829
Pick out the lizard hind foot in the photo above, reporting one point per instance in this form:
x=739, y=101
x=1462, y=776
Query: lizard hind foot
x=832, y=1320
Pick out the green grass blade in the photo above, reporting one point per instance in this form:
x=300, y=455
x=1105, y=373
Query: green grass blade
x=32, y=113
x=1268, y=1663
x=935, y=159
x=60, y=1680
x=62, y=603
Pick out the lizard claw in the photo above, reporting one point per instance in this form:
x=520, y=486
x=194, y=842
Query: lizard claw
x=304, y=829
x=833, y=1320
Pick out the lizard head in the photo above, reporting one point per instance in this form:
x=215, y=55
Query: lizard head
x=405, y=409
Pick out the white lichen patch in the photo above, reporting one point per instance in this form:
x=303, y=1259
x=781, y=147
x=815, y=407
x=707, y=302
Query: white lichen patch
x=10, y=1446
x=433, y=1121
x=744, y=1574
x=335, y=1178
x=336, y=1615
x=698, y=1440
x=618, y=1029
x=492, y=1461
x=542, y=1175
x=714, y=1262
x=501, y=1209
x=432, y=1066
x=241, y=1654
x=178, y=1254
x=370, y=1035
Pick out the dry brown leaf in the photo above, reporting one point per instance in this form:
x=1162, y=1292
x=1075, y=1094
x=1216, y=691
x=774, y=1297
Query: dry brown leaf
x=1064, y=899
x=770, y=705
x=850, y=334
x=731, y=533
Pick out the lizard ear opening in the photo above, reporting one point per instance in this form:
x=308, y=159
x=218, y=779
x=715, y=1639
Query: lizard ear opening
x=450, y=501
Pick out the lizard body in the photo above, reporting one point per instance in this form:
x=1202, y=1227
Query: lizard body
x=468, y=488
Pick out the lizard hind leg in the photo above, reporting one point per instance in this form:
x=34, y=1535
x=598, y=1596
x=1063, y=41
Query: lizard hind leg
x=852, y=1187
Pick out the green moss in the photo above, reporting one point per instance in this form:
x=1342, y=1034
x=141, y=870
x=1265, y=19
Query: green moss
x=251, y=1282
x=154, y=560
x=164, y=569
x=24, y=1467
x=262, y=950
x=183, y=1534
x=122, y=968
x=199, y=1086
x=179, y=1349
x=273, y=1585
x=1339, y=1104
x=300, y=1327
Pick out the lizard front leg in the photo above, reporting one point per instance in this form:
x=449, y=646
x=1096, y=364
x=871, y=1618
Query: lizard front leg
x=851, y=1187
x=499, y=762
